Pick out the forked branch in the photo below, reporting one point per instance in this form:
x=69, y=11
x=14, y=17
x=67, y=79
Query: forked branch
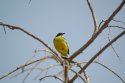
x=97, y=54
x=80, y=50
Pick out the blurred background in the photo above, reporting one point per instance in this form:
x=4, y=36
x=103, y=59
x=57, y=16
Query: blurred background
x=46, y=18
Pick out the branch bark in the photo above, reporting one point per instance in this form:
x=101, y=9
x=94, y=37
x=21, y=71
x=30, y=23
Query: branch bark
x=93, y=16
x=80, y=50
x=36, y=38
x=96, y=55
x=66, y=69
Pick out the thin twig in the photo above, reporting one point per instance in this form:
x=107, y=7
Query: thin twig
x=86, y=80
x=118, y=21
x=40, y=69
x=116, y=27
x=54, y=76
x=4, y=29
x=100, y=23
x=110, y=71
x=113, y=47
x=33, y=36
x=30, y=59
x=31, y=71
x=93, y=16
x=59, y=73
x=46, y=69
x=86, y=77
x=20, y=67
x=80, y=50
x=98, y=53
x=107, y=69
x=78, y=75
x=35, y=51
x=28, y=69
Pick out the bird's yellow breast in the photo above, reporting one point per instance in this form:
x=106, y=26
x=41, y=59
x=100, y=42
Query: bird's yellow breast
x=61, y=45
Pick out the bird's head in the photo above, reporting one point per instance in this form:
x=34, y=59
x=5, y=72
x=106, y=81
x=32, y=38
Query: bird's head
x=60, y=34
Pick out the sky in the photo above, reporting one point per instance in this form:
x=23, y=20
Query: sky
x=46, y=18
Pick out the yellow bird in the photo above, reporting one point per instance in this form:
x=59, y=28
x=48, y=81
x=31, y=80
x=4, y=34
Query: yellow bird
x=61, y=45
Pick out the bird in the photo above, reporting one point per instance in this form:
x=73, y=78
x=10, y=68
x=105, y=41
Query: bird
x=61, y=45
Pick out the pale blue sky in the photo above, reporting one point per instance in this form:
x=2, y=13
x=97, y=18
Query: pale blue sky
x=45, y=18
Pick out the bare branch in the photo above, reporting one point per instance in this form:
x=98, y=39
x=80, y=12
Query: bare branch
x=93, y=16
x=25, y=71
x=110, y=71
x=97, y=54
x=80, y=50
x=31, y=35
x=118, y=21
x=35, y=51
x=59, y=73
x=20, y=67
x=54, y=76
x=107, y=69
x=40, y=69
x=78, y=75
x=4, y=29
x=100, y=23
x=31, y=70
x=46, y=69
x=86, y=80
x=86, y=77
x=113, y=47
x=117, y=27
x=66, y=69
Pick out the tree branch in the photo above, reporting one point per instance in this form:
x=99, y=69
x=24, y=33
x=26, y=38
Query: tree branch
x=66, y=70
x=117, y=27
x=21, y=67
x=110, y=71
x=93, y=16
x=113, y=47
x=96, y=55
x=56, y=77
x=46, y=69
x=78, y=75
x=80, y=50
x=118, y=21
x=86, y=77
x=107, y=69
x=31, y=35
